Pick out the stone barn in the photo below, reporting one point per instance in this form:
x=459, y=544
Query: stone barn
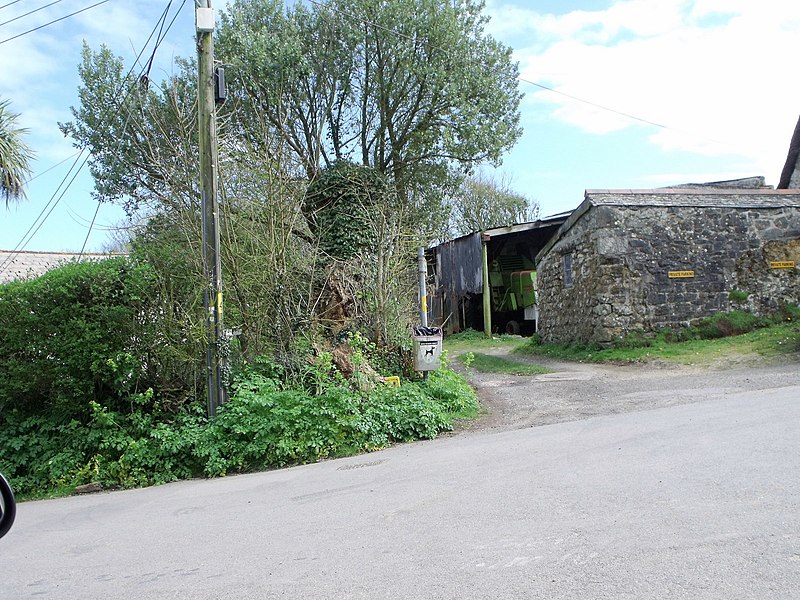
x=642, y=260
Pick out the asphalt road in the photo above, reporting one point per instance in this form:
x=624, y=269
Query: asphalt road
x=692, y=500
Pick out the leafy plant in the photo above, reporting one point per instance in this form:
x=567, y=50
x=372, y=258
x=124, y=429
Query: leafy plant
x=268, y=423
x=738, y=296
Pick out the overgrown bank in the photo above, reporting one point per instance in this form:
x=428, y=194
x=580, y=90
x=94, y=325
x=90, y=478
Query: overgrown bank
x=96, y=390
x=265, y=425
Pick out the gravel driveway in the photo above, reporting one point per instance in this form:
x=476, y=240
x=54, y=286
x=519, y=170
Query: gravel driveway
x=575, y=391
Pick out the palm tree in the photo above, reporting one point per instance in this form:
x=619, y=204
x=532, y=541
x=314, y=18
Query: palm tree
x=15, y=156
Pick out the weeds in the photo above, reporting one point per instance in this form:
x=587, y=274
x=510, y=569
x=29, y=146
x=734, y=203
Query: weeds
x=269, y=422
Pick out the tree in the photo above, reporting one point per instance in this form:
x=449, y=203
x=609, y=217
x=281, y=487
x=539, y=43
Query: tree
x=413, y=88
x=482, y=203
x=142, y=137
x=410, y=93
x=15, y=156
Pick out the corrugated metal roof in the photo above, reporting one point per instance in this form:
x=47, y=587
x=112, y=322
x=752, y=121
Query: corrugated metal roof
x=26, y=264
x=519, y=227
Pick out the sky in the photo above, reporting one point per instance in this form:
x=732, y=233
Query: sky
x=618, y=94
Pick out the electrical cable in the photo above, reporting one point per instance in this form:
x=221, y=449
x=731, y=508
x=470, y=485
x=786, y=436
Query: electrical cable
x=88, y=233
x=9, y=4
x=29, y=12
x=77, y=12
x=34, y=228
x=521, y=79
x=50, y=168
x=146, y=74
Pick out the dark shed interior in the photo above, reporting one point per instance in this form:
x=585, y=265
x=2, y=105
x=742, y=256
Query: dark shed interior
x=455, y=297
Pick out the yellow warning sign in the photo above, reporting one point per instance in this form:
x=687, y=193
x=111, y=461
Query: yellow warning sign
x=393, y=381
x=680, y=274
x=781, y=264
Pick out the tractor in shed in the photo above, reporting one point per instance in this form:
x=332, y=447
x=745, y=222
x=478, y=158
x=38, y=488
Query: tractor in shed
x=512, y=280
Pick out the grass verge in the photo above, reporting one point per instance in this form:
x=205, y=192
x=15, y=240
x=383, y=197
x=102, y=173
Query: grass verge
x=768, y=342
x=488, y=363
x=471, y=340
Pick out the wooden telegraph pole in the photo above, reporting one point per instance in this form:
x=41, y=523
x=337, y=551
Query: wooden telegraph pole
x=207, y=134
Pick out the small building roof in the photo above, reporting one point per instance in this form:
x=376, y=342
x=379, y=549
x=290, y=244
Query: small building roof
x=529, y=226
x=24, y=264
x=697, y=197
x=719, y=195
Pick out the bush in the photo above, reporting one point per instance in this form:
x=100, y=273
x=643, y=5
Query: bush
x=264, y=425
x=83, y=332
x=60, y=331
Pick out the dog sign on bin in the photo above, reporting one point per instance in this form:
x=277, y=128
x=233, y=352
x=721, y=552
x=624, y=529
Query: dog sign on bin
x=427, y=348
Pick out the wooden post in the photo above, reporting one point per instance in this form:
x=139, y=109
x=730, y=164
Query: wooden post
x=207, y=136
x=487, y=290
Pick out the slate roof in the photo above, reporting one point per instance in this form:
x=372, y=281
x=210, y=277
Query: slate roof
x=691, y=196
x=696, y=197
x=25, y=264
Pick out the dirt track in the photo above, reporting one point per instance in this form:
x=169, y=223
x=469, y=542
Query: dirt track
x=575, y=391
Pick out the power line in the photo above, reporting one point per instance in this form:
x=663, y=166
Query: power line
x=39, y=221
x=88, y=233
x=34, y=228
x=77, y=12
x=521, y=79
x=50, y=168
x=594, y=104
x=10, y=3
x=29, y=12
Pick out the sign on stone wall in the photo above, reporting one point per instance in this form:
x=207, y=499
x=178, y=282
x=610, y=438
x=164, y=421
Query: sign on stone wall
x=781, y=264
x=680, y=274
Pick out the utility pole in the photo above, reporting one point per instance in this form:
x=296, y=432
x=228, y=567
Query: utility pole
x=207, y=134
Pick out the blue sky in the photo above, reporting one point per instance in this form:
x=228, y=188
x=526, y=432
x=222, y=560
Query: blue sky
x=715, y=75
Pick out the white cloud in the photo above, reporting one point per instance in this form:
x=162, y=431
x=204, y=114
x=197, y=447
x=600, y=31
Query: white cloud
x=42, y=67
x=716, y=73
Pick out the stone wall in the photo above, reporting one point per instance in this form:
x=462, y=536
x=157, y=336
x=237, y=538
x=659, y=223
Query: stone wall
x=622, y=257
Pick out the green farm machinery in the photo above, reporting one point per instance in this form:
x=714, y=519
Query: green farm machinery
x=514, y=305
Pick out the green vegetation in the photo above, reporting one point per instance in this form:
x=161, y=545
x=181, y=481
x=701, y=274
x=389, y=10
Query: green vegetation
x=476, y=340
x=263, y=426
x=95, y=391
x=488, y=363
x=15, y=156
x=738, y=296
x=726, y=336
x=266, y=424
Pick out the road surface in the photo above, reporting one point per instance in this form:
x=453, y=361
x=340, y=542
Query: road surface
x=699, y=499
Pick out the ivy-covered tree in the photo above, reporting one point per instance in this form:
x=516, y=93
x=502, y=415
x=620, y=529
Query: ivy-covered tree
x=341, y=204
